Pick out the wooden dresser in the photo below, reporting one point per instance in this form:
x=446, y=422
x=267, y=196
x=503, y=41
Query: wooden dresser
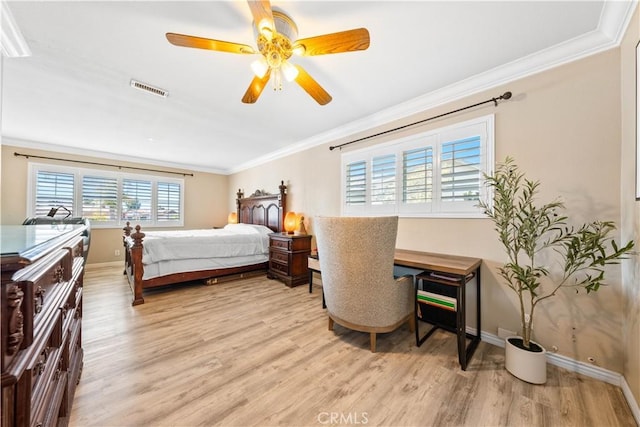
x=42, y=273
x=288, y=258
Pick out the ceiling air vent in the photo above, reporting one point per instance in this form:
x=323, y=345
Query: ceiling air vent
x=148, y=88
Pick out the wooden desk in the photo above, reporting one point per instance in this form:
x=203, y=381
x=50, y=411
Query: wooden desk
x=461, y=270
x=456, y=266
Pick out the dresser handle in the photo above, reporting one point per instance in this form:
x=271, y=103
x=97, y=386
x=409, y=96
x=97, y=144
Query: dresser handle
x=59, y=274
x=39, y=299
x=56, y=375
x=39, y=368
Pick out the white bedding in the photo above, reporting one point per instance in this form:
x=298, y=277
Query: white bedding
x=176, y=251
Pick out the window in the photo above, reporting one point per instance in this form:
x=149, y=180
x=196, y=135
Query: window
x=383, y=180
x=356, y=185
x=432, y=174
x=136, y=200
x=108, y=199
x=169, y=201
x=417, y=174
x=54, y=189
x=100, y=198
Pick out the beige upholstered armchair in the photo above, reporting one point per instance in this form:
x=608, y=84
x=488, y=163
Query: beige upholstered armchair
x=356, y=260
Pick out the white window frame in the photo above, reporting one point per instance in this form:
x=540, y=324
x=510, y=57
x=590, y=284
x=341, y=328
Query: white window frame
x=79, y=173
x=484, y=127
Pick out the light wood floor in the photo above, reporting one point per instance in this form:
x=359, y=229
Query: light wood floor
x=254, y=352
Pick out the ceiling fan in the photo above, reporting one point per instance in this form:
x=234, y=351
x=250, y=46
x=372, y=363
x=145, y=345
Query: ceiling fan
x=276, y=38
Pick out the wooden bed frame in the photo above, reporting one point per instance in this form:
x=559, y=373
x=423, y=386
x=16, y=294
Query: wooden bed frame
x=259, y=208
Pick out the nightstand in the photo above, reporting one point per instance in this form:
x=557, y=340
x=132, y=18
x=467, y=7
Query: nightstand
x=288, y=258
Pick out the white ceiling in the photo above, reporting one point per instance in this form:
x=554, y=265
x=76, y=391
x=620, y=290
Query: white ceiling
x=74, y=90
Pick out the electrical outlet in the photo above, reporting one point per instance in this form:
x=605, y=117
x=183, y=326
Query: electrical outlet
x=117, y=252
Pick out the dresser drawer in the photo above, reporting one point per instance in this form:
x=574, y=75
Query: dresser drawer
x=48, y=393
x=41, y=368
x=279, y=268
x=281, y=244
x=279, y=257
x=45, y=371
x=41, y=284
x=75, y=247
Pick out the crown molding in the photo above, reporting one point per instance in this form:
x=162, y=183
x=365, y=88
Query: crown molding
x=55, y=148
x=12, y=42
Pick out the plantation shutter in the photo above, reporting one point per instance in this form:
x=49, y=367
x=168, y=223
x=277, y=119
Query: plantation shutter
x=417, y=186
x=100, y=198
x=53, y=189
x=383, y=180
x=356, y=186
x=168, y=199
x=136, y=200
x=460, y=170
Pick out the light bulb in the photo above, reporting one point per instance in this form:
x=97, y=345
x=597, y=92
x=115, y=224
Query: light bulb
x=260, y=67
x=290, y=71
x=265, y=28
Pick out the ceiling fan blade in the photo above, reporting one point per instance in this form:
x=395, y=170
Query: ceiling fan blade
x=262, y=14
x=209, y=44
x=255, y=88
x=312, y=87
x=344, y=41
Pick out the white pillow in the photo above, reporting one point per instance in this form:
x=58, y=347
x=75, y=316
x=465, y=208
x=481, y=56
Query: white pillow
x=244, y=227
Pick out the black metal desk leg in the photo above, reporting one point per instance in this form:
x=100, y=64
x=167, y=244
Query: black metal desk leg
x=479, y=328
x=461, y=324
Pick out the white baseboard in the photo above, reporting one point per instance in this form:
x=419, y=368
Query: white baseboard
x=572, y=365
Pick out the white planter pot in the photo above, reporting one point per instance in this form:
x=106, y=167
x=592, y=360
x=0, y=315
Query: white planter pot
x=528, y=365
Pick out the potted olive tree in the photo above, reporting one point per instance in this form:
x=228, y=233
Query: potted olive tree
x=529, y=233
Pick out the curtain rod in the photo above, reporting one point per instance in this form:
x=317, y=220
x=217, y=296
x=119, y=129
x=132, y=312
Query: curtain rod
x=505, y=96
x=101, y=164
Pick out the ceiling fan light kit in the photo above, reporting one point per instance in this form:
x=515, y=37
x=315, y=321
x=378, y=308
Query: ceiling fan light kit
x=277, y=40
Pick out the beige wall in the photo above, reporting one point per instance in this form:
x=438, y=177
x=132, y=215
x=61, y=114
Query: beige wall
x=630, y=208
x=563, y=128
x=205, y=198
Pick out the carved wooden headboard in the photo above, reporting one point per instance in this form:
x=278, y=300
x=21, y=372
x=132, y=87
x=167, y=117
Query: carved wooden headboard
x=263, y=208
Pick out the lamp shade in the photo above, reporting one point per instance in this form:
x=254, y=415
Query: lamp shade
x=290, y=222
x=232, y=218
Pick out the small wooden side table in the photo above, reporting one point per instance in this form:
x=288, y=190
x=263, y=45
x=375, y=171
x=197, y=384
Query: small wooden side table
x=288, y=257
